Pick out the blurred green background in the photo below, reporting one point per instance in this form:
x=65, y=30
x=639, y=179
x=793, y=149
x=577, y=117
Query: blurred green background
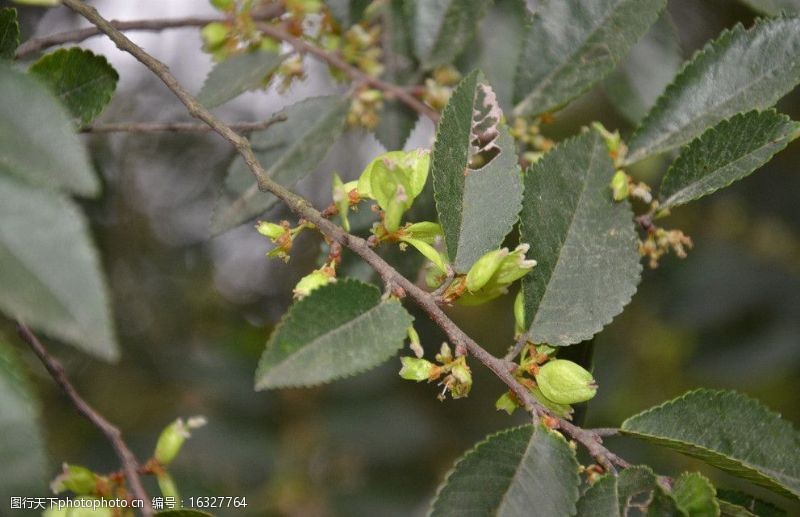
x=193, y=313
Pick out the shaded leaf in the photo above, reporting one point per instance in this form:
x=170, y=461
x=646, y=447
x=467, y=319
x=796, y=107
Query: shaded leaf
x=22, y=449
x=509, y=474
x=749, y=503
x=696, y=495
x=728, y=430
x=572, y=44
x=476, y=178
x=739, y=71
x=336, y=331
x=584, y=242
x=50, y=274
x=83, y=81
x=773, y=7
x=38, y=143
x=727, y=509
x=444, y=27
x=236, y=75
x=726, y=153
x=601, y=499
x=9, y=32
x=288, y=150
x=649, y=67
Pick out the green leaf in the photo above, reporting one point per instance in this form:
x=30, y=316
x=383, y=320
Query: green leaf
x=726, y=153
x=585, y=243
x=83, y=81
x=728, y=430
x=22, y=449
x=9, y=32
x=336, y=331
x=572, y=44
x=696, y=495
x=50, y=274
x=650, y=66
x=511, y=473
x=37, y=139
x=773, y=7
x=739, y=71
x=288, y=150
x=236, y=75
x=444, y=27
x=600, y=499
x=477, y=204
x=727, y=509
x=751, y=504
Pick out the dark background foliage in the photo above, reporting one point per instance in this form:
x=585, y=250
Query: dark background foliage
x=193, y=313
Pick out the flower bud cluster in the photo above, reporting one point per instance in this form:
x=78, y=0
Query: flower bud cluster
x=453, y=373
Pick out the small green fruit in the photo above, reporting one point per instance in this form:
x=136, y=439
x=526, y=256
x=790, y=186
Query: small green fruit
x=270, y=230
x=173, y=437
x=214, y=35
x=416, y=369
x=565, y=382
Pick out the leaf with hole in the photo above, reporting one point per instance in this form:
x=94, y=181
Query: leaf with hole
x=729, y=431
x=83, y=81
x=572, y=44
x=728, y=152
x=38, y=143
x=509, y=474
x=288, y=151
x=585, y=243
x=476, y=178
x=236, y=75
x=338, y=330
x=50, y=275
x=743, y=69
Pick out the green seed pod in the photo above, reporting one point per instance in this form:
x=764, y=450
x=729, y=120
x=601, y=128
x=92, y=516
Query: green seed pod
x=173, y=437
x=484, y=269
x=270, y=230
x=79, y=480
x=519, y=314
x=565, y=382
x=167, y=486
x=619, y=185
x=416, y=369
x=311, y=281
x=214, y=35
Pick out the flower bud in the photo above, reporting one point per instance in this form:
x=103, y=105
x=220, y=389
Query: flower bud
x=445, y=355
x=78, y=480
x=313, y=280
x=565, y=382
x=619, y=185
x=270, y=230
x=417, y=369
x=167, y=485
x=173, y=436
x=519, y=314
x=459, y=382
x=484, y=269
x=414, y=343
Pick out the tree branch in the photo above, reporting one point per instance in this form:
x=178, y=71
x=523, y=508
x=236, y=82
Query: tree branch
x=392, y=90
x=359, y=246
x=129, y=464
x=177, y=127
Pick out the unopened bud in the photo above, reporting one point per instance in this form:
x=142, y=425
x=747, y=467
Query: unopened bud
x=173, y=437
x=484, y=269
x=619, y=185
x=78, y=480
x=270, y=230
x=445, y=355
x=565, y=382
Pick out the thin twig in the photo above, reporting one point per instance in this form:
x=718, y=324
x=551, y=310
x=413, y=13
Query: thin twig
x=359, y=246
x=129, y=464
x=35, y=45
x=522, y=340
x=177, y=127
x=357, y=76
